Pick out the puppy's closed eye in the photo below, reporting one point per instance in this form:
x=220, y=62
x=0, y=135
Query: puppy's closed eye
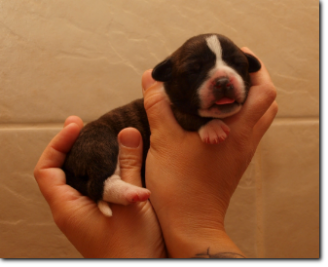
x=195, y=67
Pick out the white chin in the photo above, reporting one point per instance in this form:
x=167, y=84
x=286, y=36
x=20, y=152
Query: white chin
x=220, y=112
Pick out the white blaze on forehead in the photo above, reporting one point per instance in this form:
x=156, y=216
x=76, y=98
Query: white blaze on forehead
x=214, y=44
x=220, y=69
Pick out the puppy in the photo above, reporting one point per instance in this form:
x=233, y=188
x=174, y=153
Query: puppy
x=206, y=79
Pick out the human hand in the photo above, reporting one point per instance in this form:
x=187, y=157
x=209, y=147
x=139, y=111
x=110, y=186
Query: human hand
x=133, y=231
x=192, y=182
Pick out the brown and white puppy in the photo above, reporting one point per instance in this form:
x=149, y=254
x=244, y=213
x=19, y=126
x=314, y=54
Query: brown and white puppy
x=206, y=79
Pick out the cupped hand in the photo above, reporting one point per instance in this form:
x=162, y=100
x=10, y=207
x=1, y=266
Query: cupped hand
x=132, y=232
x=192, y=182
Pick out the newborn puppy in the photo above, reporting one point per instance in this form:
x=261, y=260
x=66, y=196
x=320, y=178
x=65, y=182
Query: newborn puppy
x=206, y=79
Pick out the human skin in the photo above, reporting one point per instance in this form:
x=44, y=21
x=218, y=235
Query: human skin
x=192, y=182
x=133, y=231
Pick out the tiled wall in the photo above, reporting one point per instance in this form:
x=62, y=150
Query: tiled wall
x=59, y=58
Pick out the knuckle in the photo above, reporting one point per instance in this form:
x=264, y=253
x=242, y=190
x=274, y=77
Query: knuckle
x=152, y=99
x=275, y=107
x=243, y=137
x=36, y=173
x=65, y=219
x=130, y=161
x=271, y=92
x=59, y=220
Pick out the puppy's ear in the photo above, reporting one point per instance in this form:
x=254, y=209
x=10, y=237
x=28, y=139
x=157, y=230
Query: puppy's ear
x=163, y=71
x=254, y=64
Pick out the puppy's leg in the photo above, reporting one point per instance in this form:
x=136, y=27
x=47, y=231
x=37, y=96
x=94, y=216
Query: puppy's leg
x=214, y=132
x=119, y=192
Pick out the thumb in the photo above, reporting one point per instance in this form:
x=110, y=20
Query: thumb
x=130, y=155
x=157, y=106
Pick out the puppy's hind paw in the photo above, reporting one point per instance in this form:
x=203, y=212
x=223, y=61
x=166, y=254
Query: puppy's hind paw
x=120, y=192
x=139, y=195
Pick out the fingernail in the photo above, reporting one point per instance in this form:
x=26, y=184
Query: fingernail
x=130, y=141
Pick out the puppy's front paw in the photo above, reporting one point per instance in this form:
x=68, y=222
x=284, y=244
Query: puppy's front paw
x=214, y=132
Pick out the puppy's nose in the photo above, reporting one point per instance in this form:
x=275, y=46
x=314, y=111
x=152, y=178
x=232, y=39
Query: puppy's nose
x=221, y=83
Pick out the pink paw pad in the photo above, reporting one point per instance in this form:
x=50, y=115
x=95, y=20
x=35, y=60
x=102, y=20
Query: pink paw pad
x=119, y=192
x=140, y=196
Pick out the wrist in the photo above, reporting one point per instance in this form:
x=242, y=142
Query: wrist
x=200, y=243
x=191, y=236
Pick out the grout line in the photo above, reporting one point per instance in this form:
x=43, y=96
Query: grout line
x=259, y=206
x=41, y=125
x=18, y=126
x=36, y=125
x=283, y=119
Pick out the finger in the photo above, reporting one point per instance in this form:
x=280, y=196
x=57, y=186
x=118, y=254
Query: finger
x=258, y=101
x=264, y=123
x=147, y=80
x=157, y=106
x=260, y=76
x=73, y=119
x=54, y=154
x=130, y=156
x=260, y=97
x=47, y=171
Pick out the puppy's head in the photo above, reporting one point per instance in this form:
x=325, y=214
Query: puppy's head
x=207, y=76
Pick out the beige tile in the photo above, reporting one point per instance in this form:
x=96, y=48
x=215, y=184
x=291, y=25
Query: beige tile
x=241, y=219
x=27, y=228
x=62, y=58
x=290, y=182
x=54, y=63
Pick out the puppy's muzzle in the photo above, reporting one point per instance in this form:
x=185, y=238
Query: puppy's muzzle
x=222, y=87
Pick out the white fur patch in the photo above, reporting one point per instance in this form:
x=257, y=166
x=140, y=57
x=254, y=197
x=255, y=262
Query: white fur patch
x=120, y=192
x=114, y=187
x=214, y=44
x=220, y=69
